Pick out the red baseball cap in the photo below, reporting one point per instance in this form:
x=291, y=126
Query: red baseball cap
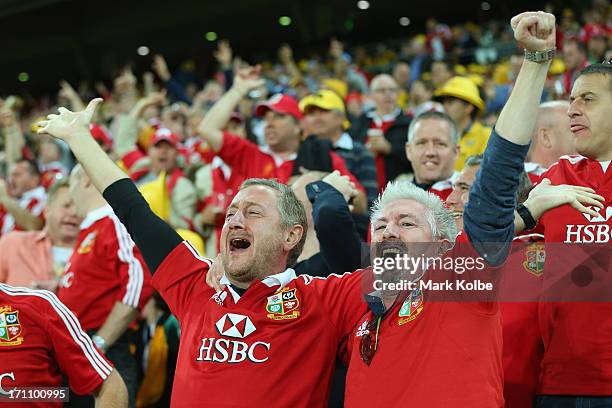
x=280, y=103
x=164, y=135
x=100, y=135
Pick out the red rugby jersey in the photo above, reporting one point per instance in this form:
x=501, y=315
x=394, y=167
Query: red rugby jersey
x=41, y=340
x=519, y=293
x=577, y=335
x=436, y=354
x=276, y=344
x=105, y=268
x=259, y=162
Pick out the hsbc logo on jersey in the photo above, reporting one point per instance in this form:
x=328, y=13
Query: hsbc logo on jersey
x=235, y=325
x=233, y=351
x=598, y=231
x=601, y=218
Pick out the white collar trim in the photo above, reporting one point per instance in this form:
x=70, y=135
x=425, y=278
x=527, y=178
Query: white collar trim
x=96, y=215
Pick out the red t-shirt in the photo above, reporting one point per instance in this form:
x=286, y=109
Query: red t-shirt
x=442, y=189
x=41, y=341
x=519, y=293
x=441, y=354
x=383, y=124
x=577, y=335
x=277, y=342
x=258, y=162
x=105, y=268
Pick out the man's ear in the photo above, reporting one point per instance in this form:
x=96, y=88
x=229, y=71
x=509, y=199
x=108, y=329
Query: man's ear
x=408, y=149
x=544, y=137
x=293, y=236
x=444, y=245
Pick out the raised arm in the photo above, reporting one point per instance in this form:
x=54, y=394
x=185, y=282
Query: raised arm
x=154, y=237
x=211, y=127
x=489, y=214
x=535, y=31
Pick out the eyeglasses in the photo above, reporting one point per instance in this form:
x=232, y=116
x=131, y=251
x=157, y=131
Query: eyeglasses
x=385, y=90
x=369, y=345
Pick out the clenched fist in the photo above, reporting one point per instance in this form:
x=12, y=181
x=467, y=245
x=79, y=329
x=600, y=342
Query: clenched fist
x=534, y=30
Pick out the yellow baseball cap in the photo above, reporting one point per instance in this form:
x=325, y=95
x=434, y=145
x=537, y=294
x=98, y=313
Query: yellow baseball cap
x=326, y=100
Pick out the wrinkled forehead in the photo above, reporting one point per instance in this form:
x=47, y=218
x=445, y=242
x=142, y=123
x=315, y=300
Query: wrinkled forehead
x=596, y=83
x=263, y=196
x=402, y=208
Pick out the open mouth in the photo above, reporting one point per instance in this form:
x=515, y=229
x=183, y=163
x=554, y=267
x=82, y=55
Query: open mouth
x=457, y=214
x=390, y=249
x=239, y=244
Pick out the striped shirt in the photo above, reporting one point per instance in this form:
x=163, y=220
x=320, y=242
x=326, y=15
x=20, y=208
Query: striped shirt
x=105, y=268
x=41, y=341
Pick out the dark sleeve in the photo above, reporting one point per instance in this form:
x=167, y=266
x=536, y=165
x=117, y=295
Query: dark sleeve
x=489, y=214
x=177, y=91
x=155, y=239
x=365, y=172
x=228, y=75
x=313, y=266
x=339, y=241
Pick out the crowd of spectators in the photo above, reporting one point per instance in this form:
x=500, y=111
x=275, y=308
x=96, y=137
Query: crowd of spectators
x=413, y=111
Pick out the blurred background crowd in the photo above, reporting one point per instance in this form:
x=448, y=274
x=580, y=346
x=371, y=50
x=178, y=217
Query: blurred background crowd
x=189, y=132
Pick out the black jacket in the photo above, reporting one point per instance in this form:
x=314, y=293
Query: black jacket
x=396, y=162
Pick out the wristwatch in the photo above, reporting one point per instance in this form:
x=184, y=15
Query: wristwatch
x=99, y=342
x=540, y=56
x=525, y=214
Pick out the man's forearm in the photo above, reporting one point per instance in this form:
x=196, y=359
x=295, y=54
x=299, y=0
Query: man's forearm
x=101, y=169
x=113, y=392
x=217, y=117
x=24, y=218
x=117, y=323
x=518, y=117
x=14, y=142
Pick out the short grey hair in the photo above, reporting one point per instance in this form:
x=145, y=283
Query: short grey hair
x=438, y=116
x=473, y=160
x=439, y=218
x=290, y=209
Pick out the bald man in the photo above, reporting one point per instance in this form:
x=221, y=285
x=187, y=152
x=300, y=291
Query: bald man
x=384, y=129
x=551, y=139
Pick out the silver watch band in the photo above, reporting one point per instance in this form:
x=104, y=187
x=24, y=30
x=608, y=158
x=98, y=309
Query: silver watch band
x=99, y=342
x=540, y=56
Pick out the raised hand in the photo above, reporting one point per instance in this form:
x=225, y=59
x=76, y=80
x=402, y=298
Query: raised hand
x=247, y=79
x=224, y=54
x=285, y=54
x=153, y=99
x=341, y=183
x=545, y=197
x=534, y=30
x=336, y=48
x=161, y=68
x=68, y=124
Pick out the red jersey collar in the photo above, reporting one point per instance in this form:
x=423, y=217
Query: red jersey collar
x=96, y=215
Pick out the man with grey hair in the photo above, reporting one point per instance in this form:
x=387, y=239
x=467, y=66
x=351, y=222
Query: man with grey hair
x=432, y=148
x=265, y=318
x=551, y=140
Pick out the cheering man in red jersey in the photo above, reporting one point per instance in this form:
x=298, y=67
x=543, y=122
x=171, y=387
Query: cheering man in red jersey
x=577, y=363
x=41, y=341
x=106, y=281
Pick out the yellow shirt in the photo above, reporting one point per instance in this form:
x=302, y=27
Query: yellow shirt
x=472, y=142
